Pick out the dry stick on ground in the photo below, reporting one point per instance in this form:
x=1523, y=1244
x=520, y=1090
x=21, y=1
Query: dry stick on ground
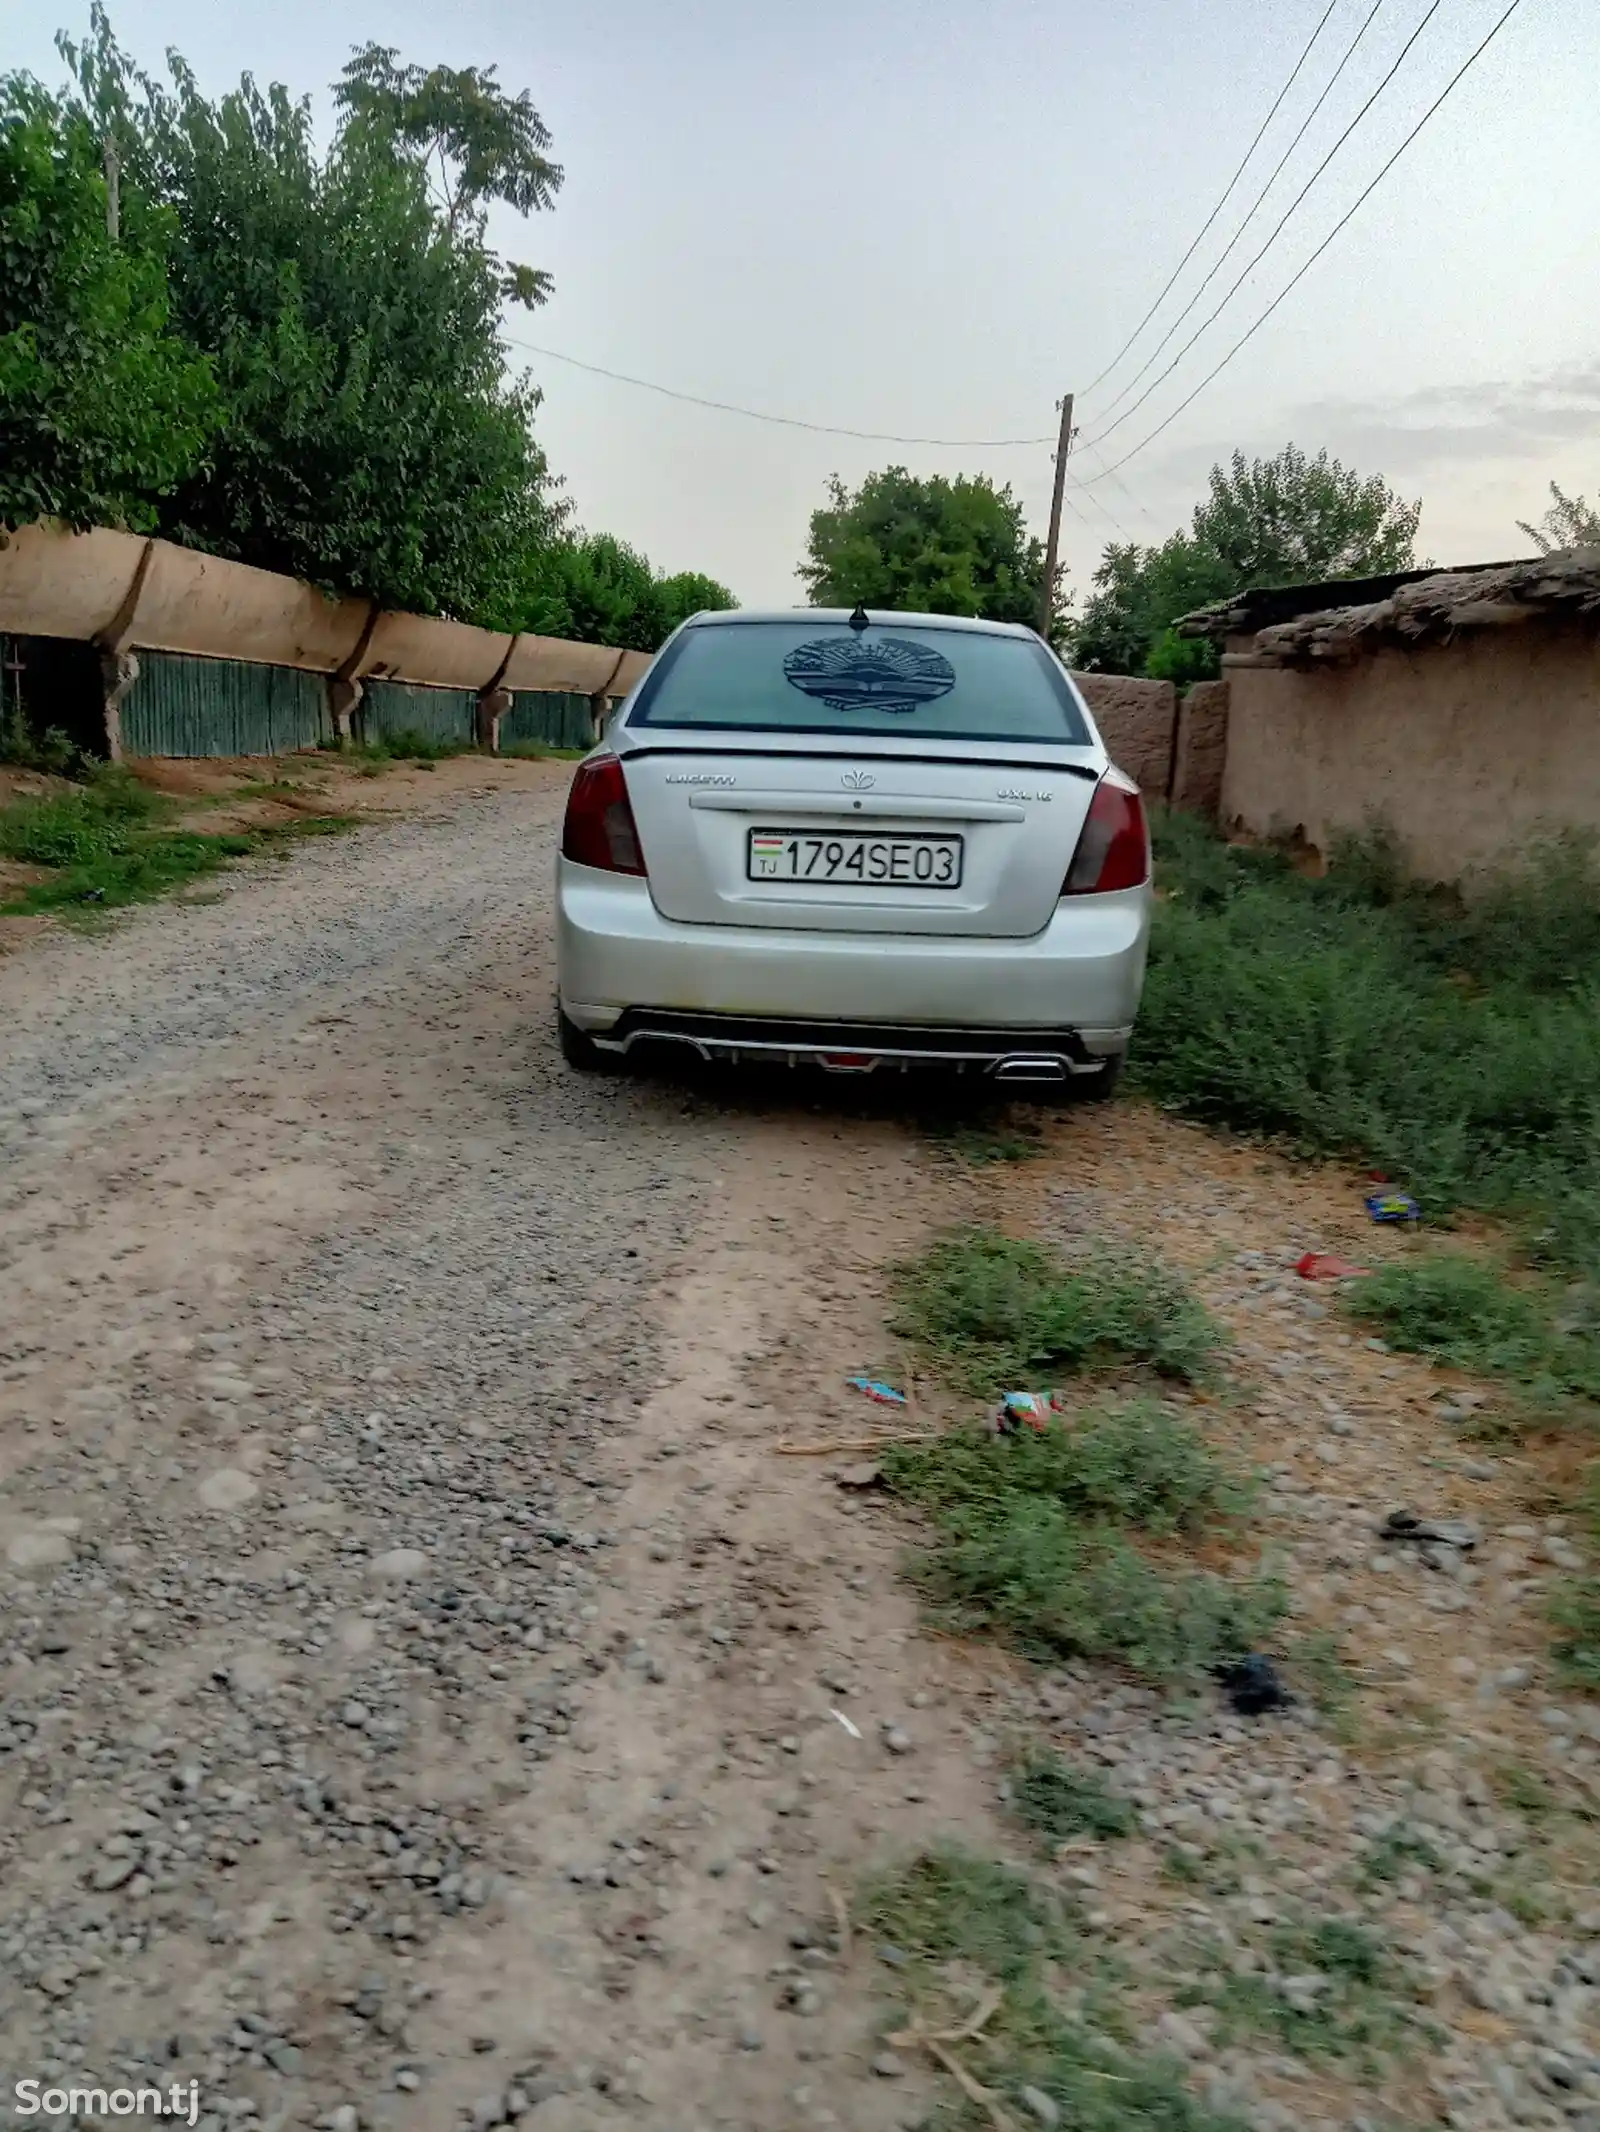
x=841, y=1918
x=936, y=2042
x=852, y=1443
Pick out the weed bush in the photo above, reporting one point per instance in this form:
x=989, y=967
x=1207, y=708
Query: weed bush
x=996, y=1315
x=407, y=745
x=949, y=1907
x=1061, y=1802
x=1327, y=1988
x=1464, y=1312
x=1057, y=1589
x=1448, y=1039
x=1575, y=1604
x=1134, y=1462
x=1031, y=1541
x=105, y=846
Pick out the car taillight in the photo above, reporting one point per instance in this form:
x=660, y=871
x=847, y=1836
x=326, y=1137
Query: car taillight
x=1114, y=849
x=599, y=829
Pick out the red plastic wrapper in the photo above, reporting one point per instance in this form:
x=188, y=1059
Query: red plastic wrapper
x=1322, y=1266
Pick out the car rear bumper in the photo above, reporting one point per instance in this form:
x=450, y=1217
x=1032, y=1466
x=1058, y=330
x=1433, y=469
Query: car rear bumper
x=627, y=974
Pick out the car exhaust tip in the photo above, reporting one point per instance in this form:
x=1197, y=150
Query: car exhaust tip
x=1027, y=1067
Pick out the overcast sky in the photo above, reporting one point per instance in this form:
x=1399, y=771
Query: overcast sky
x=932, y=217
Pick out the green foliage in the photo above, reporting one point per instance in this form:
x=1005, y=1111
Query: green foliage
x=1133, y=1462
x=287, y=354
x=1399, y=1850
x=1182, y=660
x=1024, y=1570
x=925, y=545
x=371, y=443
x=1464, y=1312
x=1323, y=1988
x=1138, y=592
x=1361, y=1016
x=407, y=746
x=983, y=1139
x=1286, y=520
x=53, y=751
x=105, y=845
x=1031, y=1542
x=947, y=1909
x=1575, y=1604
x=1062, y=1803
x=1570, y=522
x=488, y=146
x=997, y=1315
x=597, y=589
x=103, y=408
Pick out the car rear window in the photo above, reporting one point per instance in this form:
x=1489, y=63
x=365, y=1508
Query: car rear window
x=825, y=677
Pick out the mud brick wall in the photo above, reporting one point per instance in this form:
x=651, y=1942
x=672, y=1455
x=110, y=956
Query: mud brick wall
x=1137, y=721
x=1202, y=750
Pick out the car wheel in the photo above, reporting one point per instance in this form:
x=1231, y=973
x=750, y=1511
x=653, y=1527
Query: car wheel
x=1099, y=1086
x=580, y=1050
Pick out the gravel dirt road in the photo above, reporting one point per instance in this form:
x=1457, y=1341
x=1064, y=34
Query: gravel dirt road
x=432, y=1699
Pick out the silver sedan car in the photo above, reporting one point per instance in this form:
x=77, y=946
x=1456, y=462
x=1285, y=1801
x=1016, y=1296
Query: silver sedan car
x=865, y=842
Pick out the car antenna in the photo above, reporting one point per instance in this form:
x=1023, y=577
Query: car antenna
x=860, y=619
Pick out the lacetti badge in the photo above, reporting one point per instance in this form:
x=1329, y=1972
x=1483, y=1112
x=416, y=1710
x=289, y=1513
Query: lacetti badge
x=699, y=777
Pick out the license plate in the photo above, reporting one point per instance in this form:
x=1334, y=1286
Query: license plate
x=852, y=859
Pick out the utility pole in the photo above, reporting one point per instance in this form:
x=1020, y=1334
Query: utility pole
x=1052, y=550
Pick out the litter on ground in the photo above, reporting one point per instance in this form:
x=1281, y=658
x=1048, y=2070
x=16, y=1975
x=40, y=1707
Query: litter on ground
x=884, y=1394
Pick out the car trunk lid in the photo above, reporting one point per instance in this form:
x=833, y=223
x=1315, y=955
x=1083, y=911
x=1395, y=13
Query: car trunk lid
x=951, y=838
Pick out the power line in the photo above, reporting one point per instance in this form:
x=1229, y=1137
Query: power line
x=752, y=414
x=1282, y=223
x=1221, y=204
x=1250, y=214
x=1113, y=475
x=1465, y=68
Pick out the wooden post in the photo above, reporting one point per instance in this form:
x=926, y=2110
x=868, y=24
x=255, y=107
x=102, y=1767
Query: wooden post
x=1052, y=550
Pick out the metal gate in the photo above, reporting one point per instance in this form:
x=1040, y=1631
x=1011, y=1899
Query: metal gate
x=185, y=706
x=547, y=718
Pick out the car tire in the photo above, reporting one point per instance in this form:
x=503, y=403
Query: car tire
x=580, y=1050
x=1099, y=1086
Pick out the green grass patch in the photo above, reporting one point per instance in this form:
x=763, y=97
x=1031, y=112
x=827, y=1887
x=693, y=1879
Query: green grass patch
x=536, y=751
x=1397, y=1851
x=1575, y=1603
x=959, y=1924
x=1129, y=1462
x=994, y=1315
x=983, y=1141
x=410, y=746
x=1032, y=1542
x=1449, y=1039
x=1321, y=1988
x=1467, y=1313
x=107, y=844
x=1061, y=1803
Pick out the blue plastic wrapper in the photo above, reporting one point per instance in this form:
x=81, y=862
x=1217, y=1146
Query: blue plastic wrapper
x=884, y=1394
x=1393, y=1206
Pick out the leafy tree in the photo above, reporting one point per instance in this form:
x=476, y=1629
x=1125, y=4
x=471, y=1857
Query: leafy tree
x=371, y=441
x=927, y=545
x=1287, y=520
x=487, y=145
x=597, y=589
x=1570, y=522
x=103, y=409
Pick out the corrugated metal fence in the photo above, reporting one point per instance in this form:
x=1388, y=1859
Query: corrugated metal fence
x=186, y=706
